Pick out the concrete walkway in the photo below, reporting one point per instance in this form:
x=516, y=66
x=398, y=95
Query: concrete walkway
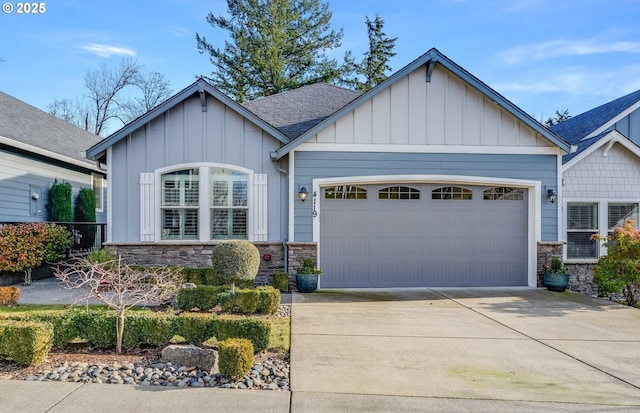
x=419, y=350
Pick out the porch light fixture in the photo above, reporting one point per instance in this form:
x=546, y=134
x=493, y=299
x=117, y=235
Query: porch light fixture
x=552, y=195
x=303, y=194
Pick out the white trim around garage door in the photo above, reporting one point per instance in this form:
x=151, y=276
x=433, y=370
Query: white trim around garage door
x=533, y=211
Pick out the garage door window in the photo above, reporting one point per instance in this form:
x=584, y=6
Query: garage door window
x=582, y=222
x=503, y=193
x=398, y=192
x=456, y=193
x=345, y=192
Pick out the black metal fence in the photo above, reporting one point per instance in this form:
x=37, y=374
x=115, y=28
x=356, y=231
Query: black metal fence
x=86, y=235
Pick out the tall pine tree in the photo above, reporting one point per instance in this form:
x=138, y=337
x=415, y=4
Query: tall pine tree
x=274, y=46
x=375, y=64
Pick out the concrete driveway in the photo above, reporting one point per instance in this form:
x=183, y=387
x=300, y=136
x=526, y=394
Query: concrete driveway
x=463, y=350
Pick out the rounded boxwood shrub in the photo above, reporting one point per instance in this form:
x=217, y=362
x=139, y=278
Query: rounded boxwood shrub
x=281, y=281
x=247, y=301
x=235, y=357
x=236, y=260
x=269, y=300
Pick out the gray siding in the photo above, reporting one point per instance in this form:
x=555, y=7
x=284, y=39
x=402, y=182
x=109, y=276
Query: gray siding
x=186, y=134
x=629, y=126
x=313, y=165
x=20, y=175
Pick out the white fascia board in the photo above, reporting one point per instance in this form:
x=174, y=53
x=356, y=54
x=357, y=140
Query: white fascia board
x=49, y=154
x=466, y=149
x=613, y=121
x=610, y=138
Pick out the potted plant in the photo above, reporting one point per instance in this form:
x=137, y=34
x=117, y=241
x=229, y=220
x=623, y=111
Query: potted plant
x=307, y=276
x=556, y=275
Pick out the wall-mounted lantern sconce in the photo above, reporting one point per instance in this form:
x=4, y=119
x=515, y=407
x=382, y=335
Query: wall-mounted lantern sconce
x=552, y=195
x=303, y=194
x=35, y=196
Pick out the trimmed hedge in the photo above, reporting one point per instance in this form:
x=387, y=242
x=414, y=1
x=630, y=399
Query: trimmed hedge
x=9, y=295
x=235, y=357
x=25, y=342
x=208, y=276
x=264, y=300
x=145, y=327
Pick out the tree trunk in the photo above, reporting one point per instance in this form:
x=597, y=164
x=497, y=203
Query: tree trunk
x=119, y=331
x=27, y=276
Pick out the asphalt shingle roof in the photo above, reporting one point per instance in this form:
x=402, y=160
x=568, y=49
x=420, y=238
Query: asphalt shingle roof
x=296, y=111
x=576, y=128
x=27, y=124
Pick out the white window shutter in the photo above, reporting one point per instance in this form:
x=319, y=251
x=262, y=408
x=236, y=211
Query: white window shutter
x=147, y=206
x=259, y=213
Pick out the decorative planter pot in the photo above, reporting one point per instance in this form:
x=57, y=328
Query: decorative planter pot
x=556, y=282
x=307, y=283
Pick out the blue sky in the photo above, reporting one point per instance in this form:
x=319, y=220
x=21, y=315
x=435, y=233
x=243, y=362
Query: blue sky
x=542, y=55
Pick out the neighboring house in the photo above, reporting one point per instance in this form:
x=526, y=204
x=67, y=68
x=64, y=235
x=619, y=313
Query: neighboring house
x=601, y=180
x=37, y=148
x=429, y=179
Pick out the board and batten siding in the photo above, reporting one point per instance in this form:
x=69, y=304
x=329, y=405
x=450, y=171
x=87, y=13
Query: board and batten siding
x=187, y=134
x=444, y=111
x=21, y=175
x=616, y=175
x=315, y=165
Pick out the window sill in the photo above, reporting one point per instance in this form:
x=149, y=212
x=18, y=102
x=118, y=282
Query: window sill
x=581, y=261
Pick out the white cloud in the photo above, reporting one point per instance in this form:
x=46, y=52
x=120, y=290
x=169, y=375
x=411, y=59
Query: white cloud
x=563, y=47
x=104, y=50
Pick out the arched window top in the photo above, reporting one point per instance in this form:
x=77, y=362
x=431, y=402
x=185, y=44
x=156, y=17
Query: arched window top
x=398, y=192
x=451, y=192
x=345, y=192
x=503, y=193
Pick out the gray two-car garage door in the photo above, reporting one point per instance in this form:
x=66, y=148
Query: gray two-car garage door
x=407, y=235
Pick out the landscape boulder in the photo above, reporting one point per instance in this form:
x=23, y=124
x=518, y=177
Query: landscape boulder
x=190, y=356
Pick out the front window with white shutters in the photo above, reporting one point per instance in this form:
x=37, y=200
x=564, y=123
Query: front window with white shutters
x=229, y=204
x=180, y=204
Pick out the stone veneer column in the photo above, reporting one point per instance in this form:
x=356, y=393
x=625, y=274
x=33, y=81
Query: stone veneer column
x=547, y=250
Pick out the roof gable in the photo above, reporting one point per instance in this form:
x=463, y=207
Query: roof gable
x=595, y=121
x=590, y=145
x=28, y=128
x=295, y=111
x=200, y=87
x=431, y=58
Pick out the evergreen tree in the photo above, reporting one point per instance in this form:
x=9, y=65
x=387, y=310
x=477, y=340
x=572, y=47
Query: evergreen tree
x=560, y=116
x=274, y=46
x=60, y=207
x=376, y=61
x=85, y=211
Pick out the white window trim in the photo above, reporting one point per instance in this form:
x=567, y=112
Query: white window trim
x=204, y=218
x=603, y=223
x=533, y=210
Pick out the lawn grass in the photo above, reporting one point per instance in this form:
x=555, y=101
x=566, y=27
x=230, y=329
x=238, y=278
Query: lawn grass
x=280, y=337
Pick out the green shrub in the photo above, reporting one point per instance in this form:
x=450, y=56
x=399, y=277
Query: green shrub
x=253, y=329
x=236, y=260
x=9, y=295
x=236, y=357
x=227, y=301
x=142, y=328
x=195, y=328
x=56, y=242
x=25, y=342
x=247, y=300
x=204, y=297
x=85, y=211
x=196, y=276
x=101, y=331
x=269, y=300
x=619, y=270
x=281, y=281
x=60, y=207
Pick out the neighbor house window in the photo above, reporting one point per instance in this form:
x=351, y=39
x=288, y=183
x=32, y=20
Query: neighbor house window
x=345, y=192
x=618, y=213
x=97, y=184
x=451, y=193
x=179, y=204
x=398, y=192
x=582, y=223
x=229, y=204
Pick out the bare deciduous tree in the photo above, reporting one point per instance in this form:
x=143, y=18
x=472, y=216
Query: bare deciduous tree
x=121, y=286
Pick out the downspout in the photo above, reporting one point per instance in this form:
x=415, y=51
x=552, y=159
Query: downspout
x=285, y=240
